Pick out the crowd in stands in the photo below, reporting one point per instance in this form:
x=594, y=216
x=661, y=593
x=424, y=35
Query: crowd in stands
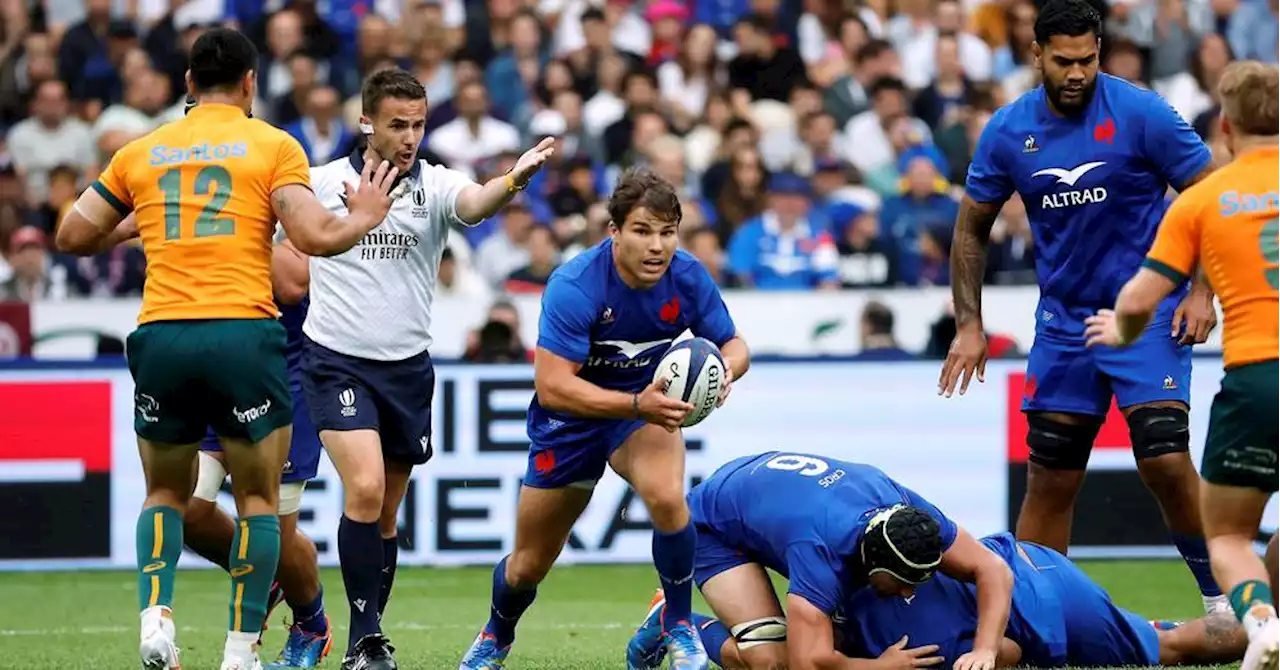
x=816, y=144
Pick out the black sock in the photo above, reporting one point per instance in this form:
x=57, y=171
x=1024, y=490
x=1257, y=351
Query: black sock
x=360, y=553
x=390, y=554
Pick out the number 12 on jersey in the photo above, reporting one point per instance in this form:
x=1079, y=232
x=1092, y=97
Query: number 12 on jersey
x=211, y=180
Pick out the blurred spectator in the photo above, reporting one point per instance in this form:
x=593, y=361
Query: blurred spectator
x=916, y=36
x=784, y=248
x=15, y=211
x=935, y=253
x=458, y=278
x=146, y=99
x=1254, y=31
x=850, y=93
x=640, y=97
x=868, y=259
x=320, y=130
x=64, y=188
x=544, y=258
x=870, y=131
x=90, y=53
x=475, y=135
x=939, y=103
x=923, y=205
x=704, y=244
x=433, y=68
x=686, y=80
x=762, y=68
x=117, y=273
x=28, y=260
x=1193, y=92
x=50, y=137
x=1015, y=52
x=1124, y=60
x=743, y=197
x=498, y=339
x=875, y=334
x=666, y=18
x=502, y=76
x=1011, y=254
x=505, y=250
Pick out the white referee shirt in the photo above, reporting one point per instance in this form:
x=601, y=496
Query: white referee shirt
x=374, y=301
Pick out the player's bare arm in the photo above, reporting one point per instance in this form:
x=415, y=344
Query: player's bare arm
x=970, y=561
x=93, y=226
x=478, y=202
x=315, y=231
x=811, y=645
x=290, y=273
x=968, y=353
x=1135, y=306
x=560, y=389
x=737, y=360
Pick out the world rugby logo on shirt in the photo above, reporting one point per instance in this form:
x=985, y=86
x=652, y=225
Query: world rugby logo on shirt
x=1075, y=197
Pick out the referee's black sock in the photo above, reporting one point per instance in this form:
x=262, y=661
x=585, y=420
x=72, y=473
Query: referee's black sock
x=360, y=553
x=390, y=556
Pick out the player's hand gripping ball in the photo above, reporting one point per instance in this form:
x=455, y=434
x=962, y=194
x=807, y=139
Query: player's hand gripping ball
x=694, y=372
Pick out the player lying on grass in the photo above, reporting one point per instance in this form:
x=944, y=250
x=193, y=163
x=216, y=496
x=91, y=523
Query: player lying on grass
x=607, y=317
x=209, y=531
x=1060, y=617
x=1227, y=225
x=830, y=527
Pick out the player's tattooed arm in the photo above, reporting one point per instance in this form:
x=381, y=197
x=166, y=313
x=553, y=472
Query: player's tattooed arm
x=313, y=229
x=969, y=257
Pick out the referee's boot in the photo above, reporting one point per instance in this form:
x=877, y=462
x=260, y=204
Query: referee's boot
x=372, y=652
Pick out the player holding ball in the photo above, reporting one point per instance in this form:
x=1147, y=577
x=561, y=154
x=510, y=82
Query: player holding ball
x=608, y=317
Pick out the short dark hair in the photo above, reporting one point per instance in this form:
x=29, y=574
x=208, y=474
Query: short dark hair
x=220, y=59
x=878, y=317
x=871, y=50
x=392, y=82
x=884, y=84
x=642, y=187
x=1071, y=18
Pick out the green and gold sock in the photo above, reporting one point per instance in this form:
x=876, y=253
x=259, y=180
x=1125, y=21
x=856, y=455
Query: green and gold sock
x=1246, y=595
x=159, y=544
x=255, y=551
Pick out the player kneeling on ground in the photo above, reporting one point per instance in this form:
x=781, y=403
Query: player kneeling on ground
x=830, y=527
x=607, y=317
x=1060, y=617
x=209, y=531
x=1227, y=225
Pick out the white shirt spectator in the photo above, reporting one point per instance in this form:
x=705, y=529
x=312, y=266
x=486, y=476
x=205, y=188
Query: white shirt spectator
x=676, y=89
x=867, y=144
x=37, y=150
x=601, y=111
x=498, y=256
x=919, y=58
x=374, y=301
x=126, y=118
x=461, y=150
x=1184, y=94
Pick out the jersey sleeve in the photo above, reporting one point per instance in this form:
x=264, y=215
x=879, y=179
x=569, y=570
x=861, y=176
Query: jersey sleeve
x=449, y=184
x=1172, y=144
x=111, y=184
x=292, y=166
x=814, y=570
x=988, y=179
x=564, y=327
x=714, y=322
x=1176, y=248
x=946, y=527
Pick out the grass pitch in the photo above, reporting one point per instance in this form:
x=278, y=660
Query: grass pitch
x=582, y=619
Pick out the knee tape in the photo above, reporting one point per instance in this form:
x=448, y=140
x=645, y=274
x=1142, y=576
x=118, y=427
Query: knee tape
x=1156, y=431
x=1060, y=446
x=769, y=630
x=210, y=478
x=290, y=498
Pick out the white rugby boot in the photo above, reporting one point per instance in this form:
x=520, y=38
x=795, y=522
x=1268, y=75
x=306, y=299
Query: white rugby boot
x=158, y=648
x=1264, y=647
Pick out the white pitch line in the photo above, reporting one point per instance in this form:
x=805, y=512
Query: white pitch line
x=117, y=630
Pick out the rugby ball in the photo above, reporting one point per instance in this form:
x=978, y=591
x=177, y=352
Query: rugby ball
x=694, y=372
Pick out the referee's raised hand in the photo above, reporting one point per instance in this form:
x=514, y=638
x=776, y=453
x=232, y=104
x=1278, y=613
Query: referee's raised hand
x=369, y=200
x=532, y=160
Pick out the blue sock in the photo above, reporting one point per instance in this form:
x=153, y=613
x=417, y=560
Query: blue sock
x=390, y=556
x=1196, y=554
x=360, y=554
x=507, y=606
x=713, y=634
x=673, y=557
x=311, y=617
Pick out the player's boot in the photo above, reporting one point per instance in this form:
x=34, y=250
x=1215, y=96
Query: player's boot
x=157, y=648
x=645, y=650
x=372, y=652
x=304, y=649
x=1220, y=604
x=1264, y=648
x=684, y=647
x=251, y=663
x=485, y=654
